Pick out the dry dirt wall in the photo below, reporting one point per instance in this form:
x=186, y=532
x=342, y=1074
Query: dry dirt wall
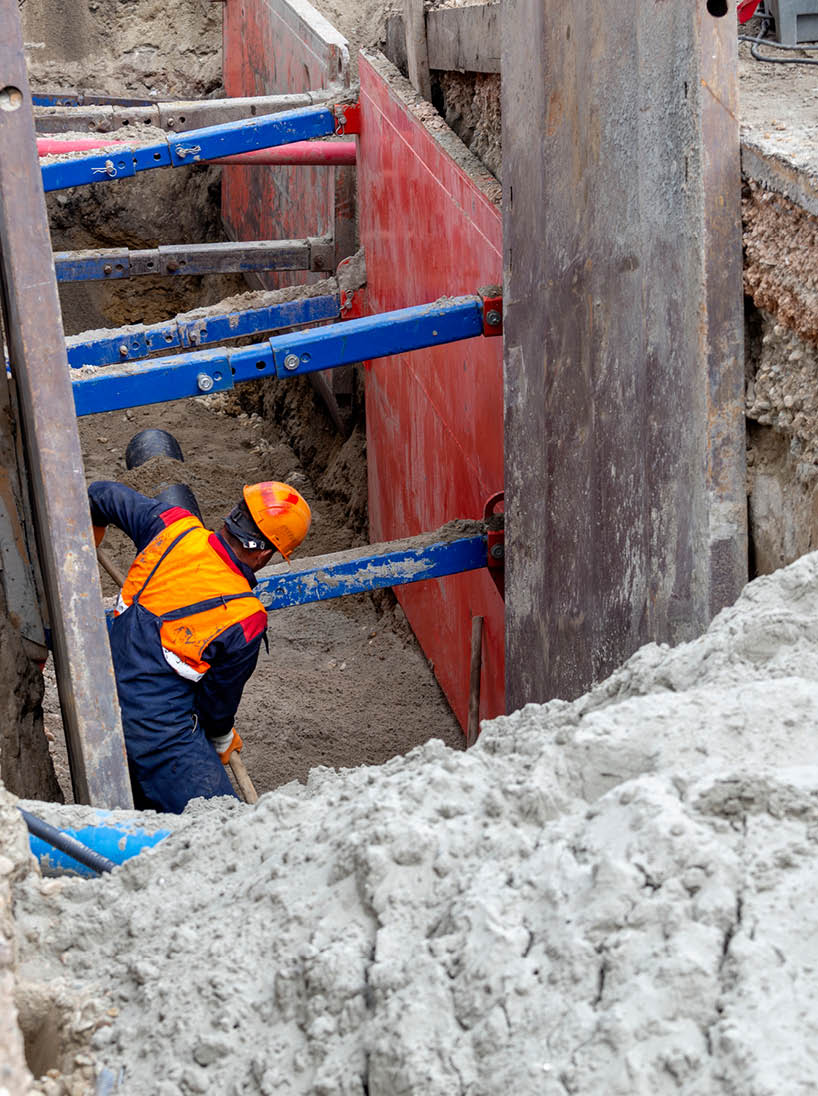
x=781, y=281
x=110, y=47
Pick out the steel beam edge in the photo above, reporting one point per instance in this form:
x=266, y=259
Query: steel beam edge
x=36, y=345
x=105, y=115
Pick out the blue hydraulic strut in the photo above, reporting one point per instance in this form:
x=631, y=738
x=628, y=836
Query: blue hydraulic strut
x=161, y=379
x=115, y=347
x=195, y=146
x=320, y=578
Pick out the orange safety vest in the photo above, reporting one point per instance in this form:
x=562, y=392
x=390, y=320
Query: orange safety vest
x=198, y=584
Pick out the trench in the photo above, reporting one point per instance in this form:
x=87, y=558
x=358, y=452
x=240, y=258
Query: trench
x=344, y=683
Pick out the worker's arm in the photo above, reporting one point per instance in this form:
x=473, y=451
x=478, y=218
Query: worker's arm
x=140, y=517
x=232, y=657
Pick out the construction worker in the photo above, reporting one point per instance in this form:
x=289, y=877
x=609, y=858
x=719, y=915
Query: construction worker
x=187, y=631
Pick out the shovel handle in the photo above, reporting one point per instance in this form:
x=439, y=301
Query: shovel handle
x=109, y=565
x=242, y=778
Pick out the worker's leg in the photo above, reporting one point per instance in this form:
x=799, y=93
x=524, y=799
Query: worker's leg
x=176, y=769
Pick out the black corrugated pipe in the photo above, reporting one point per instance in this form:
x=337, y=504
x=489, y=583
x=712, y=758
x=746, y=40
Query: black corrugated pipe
x=161, y=443
x=65, y=843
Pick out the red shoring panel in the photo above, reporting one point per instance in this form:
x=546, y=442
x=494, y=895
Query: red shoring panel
x=264, y=54
x=434, y=417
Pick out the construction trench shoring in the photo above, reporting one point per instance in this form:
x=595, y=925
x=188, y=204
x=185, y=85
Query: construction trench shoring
x=603, y=898
x=162, y=379
x=158, y=380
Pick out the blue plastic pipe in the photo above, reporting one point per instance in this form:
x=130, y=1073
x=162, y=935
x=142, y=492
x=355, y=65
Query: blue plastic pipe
x=115, y=842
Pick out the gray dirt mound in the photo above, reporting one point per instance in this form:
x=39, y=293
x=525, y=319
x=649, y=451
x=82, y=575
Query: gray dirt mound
x=611, y=896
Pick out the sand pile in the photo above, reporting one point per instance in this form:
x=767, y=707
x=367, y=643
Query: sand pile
x=616, y=895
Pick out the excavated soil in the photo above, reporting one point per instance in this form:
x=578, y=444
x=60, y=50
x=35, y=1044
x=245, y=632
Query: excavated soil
x=605, y=897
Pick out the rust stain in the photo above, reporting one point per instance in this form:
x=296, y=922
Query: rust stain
x=555, y=113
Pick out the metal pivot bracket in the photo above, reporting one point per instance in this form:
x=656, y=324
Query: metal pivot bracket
x=492, y=299
x=347, y=118
x=322, y=253
x=496, y=541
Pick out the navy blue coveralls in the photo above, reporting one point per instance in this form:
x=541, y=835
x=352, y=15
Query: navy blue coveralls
x=168, y=719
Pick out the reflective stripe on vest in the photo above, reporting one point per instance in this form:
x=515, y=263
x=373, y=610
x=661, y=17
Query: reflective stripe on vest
x=194, y=571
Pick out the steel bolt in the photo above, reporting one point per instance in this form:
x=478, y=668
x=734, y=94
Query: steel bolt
x=291, y=362
x=173, y=266
x=493, y=319
x=204, y=382
x=123, y=351
x=107, y=268
x=497, y=551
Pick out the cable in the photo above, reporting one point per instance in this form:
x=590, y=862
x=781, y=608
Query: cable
x=761, y=39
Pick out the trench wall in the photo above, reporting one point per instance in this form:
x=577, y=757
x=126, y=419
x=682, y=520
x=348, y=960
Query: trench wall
x=780, y=213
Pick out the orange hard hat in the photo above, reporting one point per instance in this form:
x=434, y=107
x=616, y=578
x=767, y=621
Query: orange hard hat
x=280, y=513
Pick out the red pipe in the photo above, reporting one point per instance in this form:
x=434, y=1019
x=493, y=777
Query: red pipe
x=327, y=153
x=299, y=152
x=49, y=146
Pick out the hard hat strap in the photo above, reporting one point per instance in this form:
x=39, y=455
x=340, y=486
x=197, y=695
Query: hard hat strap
x=244, y=529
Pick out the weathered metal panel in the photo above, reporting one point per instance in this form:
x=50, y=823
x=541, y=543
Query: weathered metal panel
x=463, y=39
x=36, y=347
x=431, y=227
x=623, y=335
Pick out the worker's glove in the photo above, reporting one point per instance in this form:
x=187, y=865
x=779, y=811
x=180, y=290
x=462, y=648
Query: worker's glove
x=99, y=533
x=226, y=744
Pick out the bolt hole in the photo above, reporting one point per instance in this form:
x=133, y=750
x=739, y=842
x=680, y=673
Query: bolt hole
x=168, y=338
x=11, y=98
x=181, y=119
x=217, y=376
x=717, y=7
x=261, y=365
x=232, y=370
x=157, y=155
